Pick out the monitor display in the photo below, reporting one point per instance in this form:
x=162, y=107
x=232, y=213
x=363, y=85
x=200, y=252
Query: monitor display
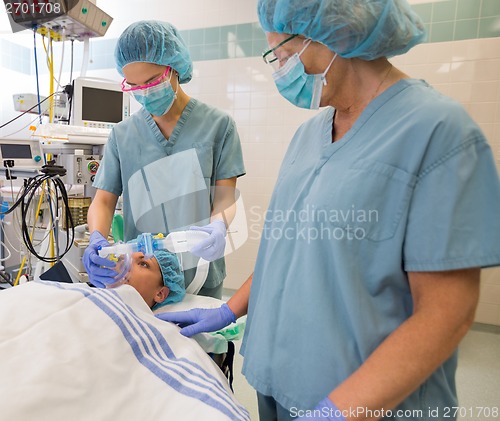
x=98, y=103
x=102, y=105
x=12, y=151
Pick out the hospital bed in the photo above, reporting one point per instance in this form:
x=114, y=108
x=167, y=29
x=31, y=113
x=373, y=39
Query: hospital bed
x=74, y=352
x=219, y=345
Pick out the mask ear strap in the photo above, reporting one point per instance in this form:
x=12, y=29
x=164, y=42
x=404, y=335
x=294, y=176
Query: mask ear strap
x=170, y=71
x=178, y=81
x=323, y=76
x=307, y=42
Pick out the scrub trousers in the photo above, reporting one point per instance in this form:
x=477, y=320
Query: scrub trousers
x=212, y=292
x=270, y=410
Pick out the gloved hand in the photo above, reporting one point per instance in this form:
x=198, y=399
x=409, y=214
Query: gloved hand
x=200, y=319
x=213, y=247
x=98, y=276
x=327, y=411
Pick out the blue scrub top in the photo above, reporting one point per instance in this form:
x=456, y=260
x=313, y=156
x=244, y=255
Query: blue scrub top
x=166, y=184
x=412, y=186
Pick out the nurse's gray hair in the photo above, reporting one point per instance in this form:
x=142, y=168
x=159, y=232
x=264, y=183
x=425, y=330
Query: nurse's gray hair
x=367, y=29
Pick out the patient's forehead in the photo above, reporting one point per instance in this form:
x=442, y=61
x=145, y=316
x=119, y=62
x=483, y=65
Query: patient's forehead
x=139, y=256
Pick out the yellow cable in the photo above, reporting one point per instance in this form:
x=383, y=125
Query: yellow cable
x=20, y=271
x=46, y=51
x=52, y=238
x=16, y=282
x=51, y=104
x=50, y=61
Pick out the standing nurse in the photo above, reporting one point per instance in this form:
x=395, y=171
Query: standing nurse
x=175, y=160
x=357, y=310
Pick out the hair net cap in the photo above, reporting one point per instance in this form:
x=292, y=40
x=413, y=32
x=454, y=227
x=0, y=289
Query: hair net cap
x=173, y=278
x=367, y=29
x=154, y=42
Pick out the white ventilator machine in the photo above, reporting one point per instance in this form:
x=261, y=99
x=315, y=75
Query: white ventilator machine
x=75, y=150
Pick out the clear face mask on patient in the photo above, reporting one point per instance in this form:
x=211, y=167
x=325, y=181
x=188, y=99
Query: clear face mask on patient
x=122, y=269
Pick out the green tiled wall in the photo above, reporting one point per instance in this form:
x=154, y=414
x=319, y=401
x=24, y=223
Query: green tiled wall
x=453, y=20
x=445, y=20
x=221, y=42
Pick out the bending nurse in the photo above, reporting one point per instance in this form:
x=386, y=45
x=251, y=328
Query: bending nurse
x=175, y=161
x=361, y=316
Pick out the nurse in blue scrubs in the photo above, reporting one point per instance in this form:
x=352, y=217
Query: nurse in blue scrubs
x=385, y=209
x=175, y=161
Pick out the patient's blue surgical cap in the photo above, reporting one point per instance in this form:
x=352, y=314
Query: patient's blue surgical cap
x=367, y=29
x=154, y=42
x=173, y=278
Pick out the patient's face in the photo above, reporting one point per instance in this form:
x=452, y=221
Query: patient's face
x=146, y=278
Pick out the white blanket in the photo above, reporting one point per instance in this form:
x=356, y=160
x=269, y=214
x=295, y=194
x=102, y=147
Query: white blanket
x=70, y=352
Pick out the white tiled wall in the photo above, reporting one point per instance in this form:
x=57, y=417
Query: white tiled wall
x=489, y=301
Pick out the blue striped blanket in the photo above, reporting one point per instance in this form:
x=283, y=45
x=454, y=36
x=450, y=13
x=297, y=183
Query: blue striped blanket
x=70, y=352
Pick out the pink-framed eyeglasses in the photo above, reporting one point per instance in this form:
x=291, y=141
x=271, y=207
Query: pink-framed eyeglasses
x=128, y=88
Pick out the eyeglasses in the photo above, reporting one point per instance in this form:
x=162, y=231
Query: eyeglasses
x=270, y=58
x=126, y=87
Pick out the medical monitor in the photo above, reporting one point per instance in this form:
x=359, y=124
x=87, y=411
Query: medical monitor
x=98, y=103
x=22, y=153
x=22, y=157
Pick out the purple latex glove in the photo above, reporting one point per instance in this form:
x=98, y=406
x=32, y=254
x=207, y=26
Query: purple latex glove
x=98, y=276
x=200, y=320
x=213, y=247
x=326, y=410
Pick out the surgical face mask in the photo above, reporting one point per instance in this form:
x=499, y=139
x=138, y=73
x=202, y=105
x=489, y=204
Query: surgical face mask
x=298, y=87
x=158, y=99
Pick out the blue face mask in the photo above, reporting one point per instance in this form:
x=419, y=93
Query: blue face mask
x=298, y=87
x=158, y=99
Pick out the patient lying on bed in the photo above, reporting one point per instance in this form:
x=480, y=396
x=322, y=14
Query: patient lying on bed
x=74, y=352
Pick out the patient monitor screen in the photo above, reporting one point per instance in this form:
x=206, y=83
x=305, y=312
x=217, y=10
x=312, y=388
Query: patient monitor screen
x=10, y=151
x=102, y=105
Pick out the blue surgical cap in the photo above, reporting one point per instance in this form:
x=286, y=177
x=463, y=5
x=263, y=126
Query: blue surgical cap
x=367, y=29
x=154, y=42
x=173, y=277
